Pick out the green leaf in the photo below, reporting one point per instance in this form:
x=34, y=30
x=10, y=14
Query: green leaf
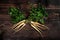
x=42, y=21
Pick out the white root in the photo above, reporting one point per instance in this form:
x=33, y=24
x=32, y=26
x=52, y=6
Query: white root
x=37, y=26
x=40, y=25
x=14, y=26
x=37, y=29
x=20, y=28
x=43, y=28
x=19, y=25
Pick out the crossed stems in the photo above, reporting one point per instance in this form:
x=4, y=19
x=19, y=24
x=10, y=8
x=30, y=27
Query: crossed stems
x=37, y=26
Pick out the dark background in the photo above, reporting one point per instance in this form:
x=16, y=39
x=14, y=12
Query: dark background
x=53, y=21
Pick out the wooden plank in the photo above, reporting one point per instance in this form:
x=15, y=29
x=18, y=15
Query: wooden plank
x=4, y=17
x=6, y=4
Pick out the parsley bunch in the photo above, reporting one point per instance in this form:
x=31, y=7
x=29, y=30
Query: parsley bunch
x=16, y=14
x=37, y=14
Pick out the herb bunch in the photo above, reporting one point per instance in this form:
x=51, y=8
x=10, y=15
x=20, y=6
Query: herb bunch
x=38, y=14
x=16, y=14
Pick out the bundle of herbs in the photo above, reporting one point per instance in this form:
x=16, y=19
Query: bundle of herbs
x=38, y=14
x=16, y=14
